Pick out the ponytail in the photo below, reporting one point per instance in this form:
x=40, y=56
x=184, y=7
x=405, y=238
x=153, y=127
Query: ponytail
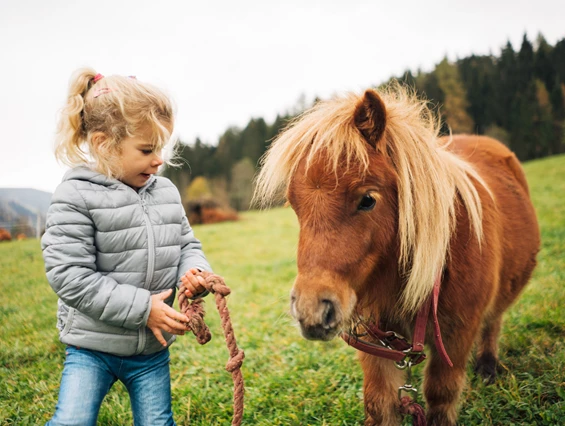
x=71, y=134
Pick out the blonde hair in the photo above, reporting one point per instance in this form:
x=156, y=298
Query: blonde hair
x=117, y=106
x=429, y=176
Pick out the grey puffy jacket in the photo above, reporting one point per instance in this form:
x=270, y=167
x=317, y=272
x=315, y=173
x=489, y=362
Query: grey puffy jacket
x=107, y=248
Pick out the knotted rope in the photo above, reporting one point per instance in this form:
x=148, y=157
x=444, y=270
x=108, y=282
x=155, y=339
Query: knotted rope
x=195, y=313
x=409, y=407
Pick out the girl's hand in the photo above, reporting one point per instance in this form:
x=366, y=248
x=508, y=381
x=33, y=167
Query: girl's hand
x=193, y=283
x=163, y=317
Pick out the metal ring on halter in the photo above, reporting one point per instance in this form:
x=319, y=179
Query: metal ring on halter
x=402, y=365
x=407, y=388
x=407, y=361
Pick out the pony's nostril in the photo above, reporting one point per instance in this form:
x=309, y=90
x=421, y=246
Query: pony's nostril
x=328, y=315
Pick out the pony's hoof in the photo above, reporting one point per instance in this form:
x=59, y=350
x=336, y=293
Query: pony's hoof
x=486, y=367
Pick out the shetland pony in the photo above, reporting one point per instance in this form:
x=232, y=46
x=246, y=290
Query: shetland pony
x=385, y=206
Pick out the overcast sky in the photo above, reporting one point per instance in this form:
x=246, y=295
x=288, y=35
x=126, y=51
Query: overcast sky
x=224, y=62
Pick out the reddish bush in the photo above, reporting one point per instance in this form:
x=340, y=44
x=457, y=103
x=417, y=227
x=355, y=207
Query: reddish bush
x=215, y=215
x=5, y=235
x=208, y=211
x=20, y=237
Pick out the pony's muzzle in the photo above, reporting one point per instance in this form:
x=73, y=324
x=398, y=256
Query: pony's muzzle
x=319, y=318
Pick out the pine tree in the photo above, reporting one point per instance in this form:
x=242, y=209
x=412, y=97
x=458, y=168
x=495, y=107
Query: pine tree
x=254, y=138
x=477, y=73
x=543, y=123
x=543, y=67
x=241, y=189
x=558, y=59
x=525, y=63
x=506, y=87
x=455, y=104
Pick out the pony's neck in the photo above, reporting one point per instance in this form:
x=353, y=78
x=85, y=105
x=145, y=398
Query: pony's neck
x=383, y=290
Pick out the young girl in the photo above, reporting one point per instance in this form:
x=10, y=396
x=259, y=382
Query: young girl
x=116, y=245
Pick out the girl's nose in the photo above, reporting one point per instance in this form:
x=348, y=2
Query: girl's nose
x=157, y=160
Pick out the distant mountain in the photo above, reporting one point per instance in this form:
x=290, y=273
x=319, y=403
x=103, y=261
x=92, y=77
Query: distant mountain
x=19, y=205
x=33, y=198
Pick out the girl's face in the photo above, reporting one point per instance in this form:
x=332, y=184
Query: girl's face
x=138, y=160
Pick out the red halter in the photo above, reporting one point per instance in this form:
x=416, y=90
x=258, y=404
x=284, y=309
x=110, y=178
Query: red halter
x=397, y=348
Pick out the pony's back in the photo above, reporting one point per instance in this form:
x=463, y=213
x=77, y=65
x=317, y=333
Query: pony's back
x=466, y=145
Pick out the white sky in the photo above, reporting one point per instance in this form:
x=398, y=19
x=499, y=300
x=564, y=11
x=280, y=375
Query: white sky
x=224, y=62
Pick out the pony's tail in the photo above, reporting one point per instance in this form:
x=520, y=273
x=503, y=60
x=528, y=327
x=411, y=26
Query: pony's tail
x=70, y=130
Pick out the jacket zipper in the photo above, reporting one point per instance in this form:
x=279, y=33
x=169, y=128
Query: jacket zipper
x=150, y=246
x=150, y=265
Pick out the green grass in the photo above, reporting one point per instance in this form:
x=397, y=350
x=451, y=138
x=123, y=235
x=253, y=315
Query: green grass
x=289, y=381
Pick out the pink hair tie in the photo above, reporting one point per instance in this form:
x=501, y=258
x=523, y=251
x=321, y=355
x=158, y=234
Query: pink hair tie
x=97, y=78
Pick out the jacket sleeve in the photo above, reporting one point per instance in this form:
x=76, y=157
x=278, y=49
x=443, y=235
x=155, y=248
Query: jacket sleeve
x=192, y=255
x=70, y=263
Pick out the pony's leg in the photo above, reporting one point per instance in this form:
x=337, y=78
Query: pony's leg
x=487, y=350
x=443, y=384
x=380, y=390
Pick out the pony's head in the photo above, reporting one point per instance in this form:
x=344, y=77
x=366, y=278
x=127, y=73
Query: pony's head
x=371, y=187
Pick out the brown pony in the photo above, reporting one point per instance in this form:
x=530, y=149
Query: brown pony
x=385, y=206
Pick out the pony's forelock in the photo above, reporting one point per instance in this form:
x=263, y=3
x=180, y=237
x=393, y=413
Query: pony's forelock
x=327, y=127
x=430, y=178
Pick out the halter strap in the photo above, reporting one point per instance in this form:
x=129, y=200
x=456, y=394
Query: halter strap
x=397, y=348
x=437, y=332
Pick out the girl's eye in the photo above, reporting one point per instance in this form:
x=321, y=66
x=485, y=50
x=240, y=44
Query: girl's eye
x=367, y=203
x=147, y=151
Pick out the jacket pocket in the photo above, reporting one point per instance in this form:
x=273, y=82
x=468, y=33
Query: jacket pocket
x=69, y=322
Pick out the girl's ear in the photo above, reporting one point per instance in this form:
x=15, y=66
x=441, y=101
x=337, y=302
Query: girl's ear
x=101, y=143
x=97, y=139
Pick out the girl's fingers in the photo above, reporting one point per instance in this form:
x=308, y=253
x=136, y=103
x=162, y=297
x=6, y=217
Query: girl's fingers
x=193, y=279
x=193, y=283
x=192, y=293
x=175, y=327
x=159, y=336
x=193, y=289
x=175, y=316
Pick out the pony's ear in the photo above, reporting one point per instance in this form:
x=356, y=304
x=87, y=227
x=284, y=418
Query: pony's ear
x=370, y=117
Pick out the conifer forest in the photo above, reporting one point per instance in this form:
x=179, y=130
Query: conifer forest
x=516, y=96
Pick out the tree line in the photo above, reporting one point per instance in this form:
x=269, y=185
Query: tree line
x=517, y=97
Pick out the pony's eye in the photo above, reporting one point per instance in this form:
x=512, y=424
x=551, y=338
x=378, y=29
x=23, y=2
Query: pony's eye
x=367, y=203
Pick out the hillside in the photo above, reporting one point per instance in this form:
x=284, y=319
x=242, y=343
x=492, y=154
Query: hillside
x=20, y=207
x=32, y=199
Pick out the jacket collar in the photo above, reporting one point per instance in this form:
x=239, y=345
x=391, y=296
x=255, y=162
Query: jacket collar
x=87, y=174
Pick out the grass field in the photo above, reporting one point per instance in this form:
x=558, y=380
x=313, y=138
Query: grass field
x=289, y=381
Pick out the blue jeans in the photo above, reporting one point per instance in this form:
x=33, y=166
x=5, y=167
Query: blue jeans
x=89, y=375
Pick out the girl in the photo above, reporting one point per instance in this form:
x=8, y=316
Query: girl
x=116, y=244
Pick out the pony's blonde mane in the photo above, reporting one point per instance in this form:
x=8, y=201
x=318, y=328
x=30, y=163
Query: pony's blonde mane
x=429, y=176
